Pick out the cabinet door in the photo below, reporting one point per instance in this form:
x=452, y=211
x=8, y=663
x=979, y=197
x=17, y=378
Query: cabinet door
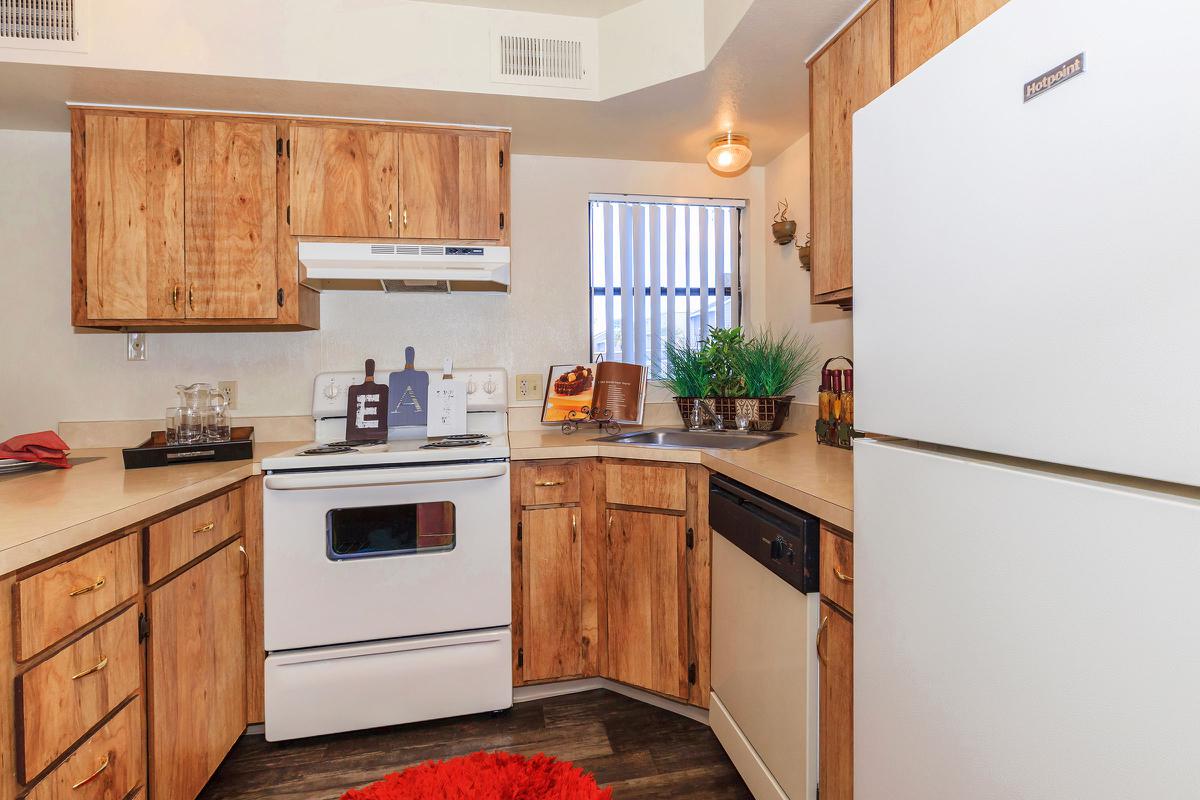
x=344, y=181
x=479, y=187
x=973, y=12
x=196, y=660
x=922, y=28
x=429, y=185
x=835, y=649
x=552, y=581
x=852, y=72
x=647, y=601
x=132, y=197
x=231, y=219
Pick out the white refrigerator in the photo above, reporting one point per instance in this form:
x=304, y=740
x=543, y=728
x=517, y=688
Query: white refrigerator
x=1027, y=342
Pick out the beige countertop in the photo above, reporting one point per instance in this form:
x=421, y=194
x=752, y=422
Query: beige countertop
x=796, y=470
x=45, y=511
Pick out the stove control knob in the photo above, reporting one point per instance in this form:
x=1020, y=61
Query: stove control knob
x=330, y=391
x=489, y=386
x=472, y=386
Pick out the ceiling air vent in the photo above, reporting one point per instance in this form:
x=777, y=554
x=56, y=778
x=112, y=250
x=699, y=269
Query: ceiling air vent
x=540, y=61
x=43, y=24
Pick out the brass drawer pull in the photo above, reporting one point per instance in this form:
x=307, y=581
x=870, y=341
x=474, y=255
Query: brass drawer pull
x=546, y=484
x=103, y=766
x=843, y=577
x=205, y=528
x=820, y=635
x=99, y=665
x=574, y=528
x=89, y=588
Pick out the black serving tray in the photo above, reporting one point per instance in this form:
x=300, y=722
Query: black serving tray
x=155, y=452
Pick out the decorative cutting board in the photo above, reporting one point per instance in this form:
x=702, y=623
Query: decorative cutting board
x=410, y=394
x=366, y=408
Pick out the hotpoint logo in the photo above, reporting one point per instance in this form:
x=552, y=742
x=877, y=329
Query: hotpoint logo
x=1054, y=77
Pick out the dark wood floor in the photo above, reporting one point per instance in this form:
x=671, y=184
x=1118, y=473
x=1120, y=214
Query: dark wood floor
x=643, y=752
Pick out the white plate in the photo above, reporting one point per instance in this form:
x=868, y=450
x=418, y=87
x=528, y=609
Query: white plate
x=15, y=465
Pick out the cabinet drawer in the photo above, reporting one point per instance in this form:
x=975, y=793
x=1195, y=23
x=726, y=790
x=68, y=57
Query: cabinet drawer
x=646, y=486
x=549, y=484
x=837, y=569
x=191, y=533
x=108, y=766
x=60, y=699
x=58, y=601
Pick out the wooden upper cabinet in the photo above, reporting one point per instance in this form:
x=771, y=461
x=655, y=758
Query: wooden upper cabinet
x=480, y=199
x=552, y=570
x=923, y=27
x=344, y=181
x=196, y=669
x=231, y=219
x=429, y=185
x=647, y=598
x=851, y=72
x=129, y=217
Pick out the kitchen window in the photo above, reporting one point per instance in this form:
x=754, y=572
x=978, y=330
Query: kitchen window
x=662, y=269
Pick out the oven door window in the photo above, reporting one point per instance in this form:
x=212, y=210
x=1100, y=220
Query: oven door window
x=399, y=530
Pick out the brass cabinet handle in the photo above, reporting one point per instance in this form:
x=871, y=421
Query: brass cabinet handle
x=574, y=528
x=99, y=665
x=89, y=588
x=175, y=297
x=191, y=299
x=245, y=561
x=843, y=577
x=389, y=218
x=406, y=216
x=205, y=528
x=820, y=635
x=103, y=766
x=550, y=483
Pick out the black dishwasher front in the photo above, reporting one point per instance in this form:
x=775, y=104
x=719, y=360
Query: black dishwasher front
x=781, y=538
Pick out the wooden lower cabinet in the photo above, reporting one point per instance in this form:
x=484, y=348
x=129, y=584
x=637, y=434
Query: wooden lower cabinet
x=835, y=650
x=552, y=574
x=109, y=765
x=196, y=670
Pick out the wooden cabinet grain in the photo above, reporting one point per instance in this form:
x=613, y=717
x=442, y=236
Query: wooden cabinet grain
x=344, y=180
x=835, y=650
x=852, y=71
x=429, y=191
x=924, y=27
x=195, y=667
x=552, y=577
x=230, y=214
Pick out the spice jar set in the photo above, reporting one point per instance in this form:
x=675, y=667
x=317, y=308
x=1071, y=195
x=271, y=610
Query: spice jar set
x=835, y=402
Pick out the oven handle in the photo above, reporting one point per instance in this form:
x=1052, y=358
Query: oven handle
x=384, y=477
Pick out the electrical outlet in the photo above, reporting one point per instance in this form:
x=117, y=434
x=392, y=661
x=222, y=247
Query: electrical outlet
x=229, y=389
x=135, y=347
x=529, y=386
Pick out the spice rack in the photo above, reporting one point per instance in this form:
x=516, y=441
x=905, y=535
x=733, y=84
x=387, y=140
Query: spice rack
x=835, y=406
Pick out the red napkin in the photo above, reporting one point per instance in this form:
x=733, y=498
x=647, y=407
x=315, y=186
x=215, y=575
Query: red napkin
x=45, y=447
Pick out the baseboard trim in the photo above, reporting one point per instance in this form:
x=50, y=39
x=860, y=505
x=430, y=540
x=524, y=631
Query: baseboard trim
x=540, y=691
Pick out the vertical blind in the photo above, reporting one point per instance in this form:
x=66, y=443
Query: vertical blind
x=662, y=270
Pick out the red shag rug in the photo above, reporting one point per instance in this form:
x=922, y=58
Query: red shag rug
x=486, y=776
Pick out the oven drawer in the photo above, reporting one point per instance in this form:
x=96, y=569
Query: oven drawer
x=191, y=533
x=549, y=484
x=58, y=601
x=109, y=765
x=351, y=687
x=60, y=699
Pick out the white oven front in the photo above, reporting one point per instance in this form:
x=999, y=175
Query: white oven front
x=357, y=555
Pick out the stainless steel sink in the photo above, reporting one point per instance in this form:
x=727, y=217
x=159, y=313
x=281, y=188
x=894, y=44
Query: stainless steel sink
x=691, y=440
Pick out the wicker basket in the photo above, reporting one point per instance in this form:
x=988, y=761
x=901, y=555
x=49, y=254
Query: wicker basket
x=765, y=413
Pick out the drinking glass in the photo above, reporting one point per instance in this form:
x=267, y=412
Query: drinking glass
x=191, y=425
x=172, y=419
x=216, y=423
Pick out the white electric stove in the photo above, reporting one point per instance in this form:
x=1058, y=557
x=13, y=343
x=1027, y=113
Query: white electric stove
x=387, y=592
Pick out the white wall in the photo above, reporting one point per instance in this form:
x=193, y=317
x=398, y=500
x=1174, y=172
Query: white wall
x=786, y=282
x=53, y=373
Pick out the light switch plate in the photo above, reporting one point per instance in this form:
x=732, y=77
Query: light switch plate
x=135, y=346
x=529, y=386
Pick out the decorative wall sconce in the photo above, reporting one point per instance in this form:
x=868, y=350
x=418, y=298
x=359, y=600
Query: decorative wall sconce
x=783, y=229
x=805, y=251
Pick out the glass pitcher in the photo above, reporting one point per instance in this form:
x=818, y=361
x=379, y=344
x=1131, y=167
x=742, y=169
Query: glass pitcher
x=197, y=396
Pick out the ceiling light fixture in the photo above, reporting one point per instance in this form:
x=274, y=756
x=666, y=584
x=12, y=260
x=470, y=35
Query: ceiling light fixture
x=729, y=153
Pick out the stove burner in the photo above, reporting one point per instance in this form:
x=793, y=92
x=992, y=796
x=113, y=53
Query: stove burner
x=327, y=450
x=455, y=437
x=450, y=441
x=361, y=443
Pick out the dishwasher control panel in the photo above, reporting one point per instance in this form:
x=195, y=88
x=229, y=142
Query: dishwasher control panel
x=783, y=539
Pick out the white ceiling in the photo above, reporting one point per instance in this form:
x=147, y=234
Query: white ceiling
x=570, y=8
x=757, y=84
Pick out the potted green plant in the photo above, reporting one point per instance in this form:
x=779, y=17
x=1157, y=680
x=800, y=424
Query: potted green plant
x=685, y=374
x=772, y=366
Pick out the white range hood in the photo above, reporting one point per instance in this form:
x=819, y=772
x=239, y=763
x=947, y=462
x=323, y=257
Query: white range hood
x=406, y=267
